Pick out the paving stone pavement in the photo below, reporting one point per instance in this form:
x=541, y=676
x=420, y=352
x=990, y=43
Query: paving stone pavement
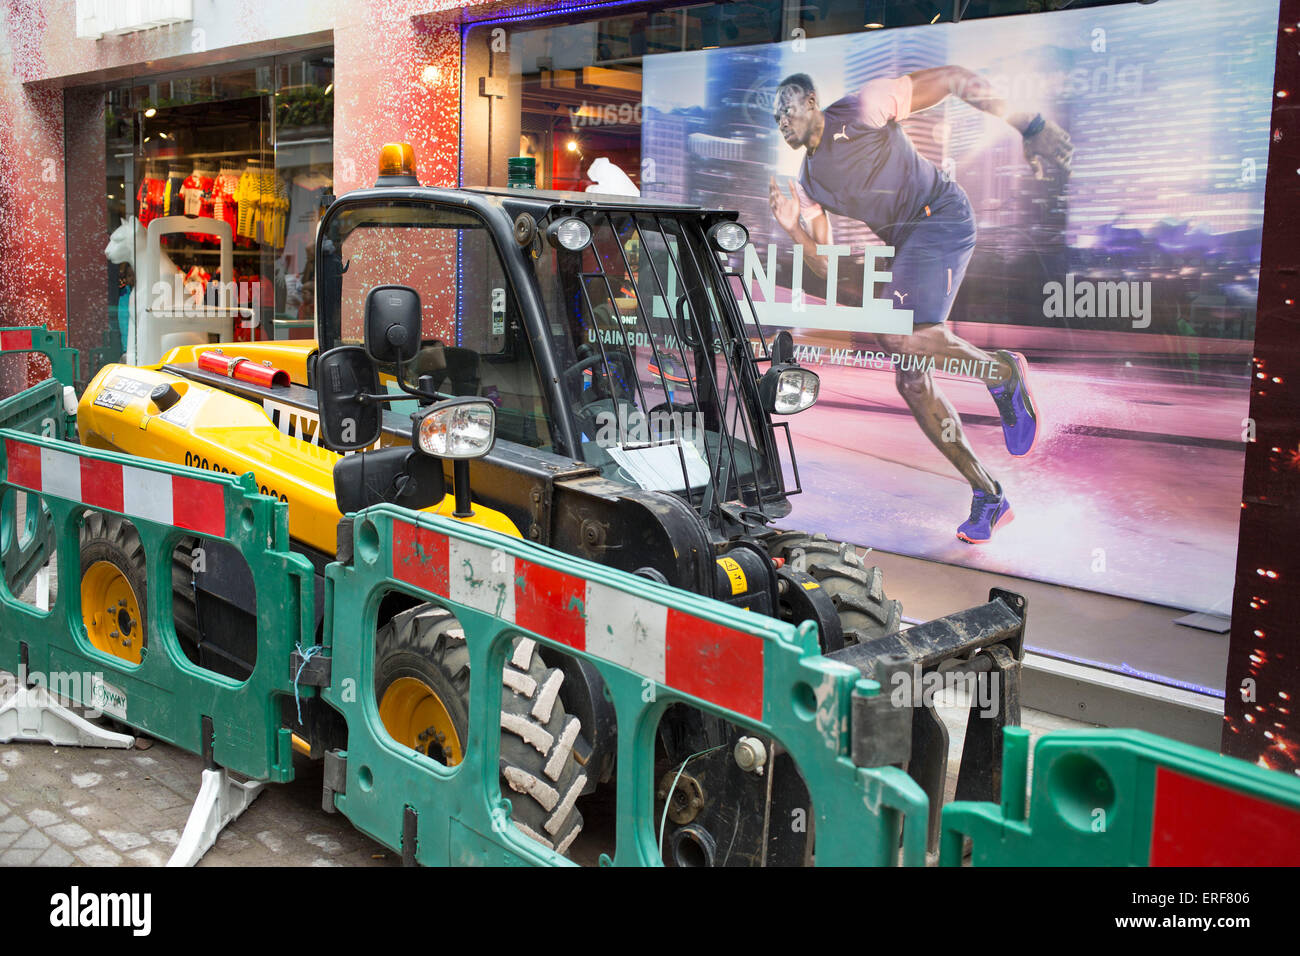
x=67, y=806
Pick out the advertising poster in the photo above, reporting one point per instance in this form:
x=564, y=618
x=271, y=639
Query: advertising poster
x=1056, y=222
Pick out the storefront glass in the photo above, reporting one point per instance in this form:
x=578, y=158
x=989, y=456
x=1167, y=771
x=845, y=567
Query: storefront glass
x=1076, y=198
x=229, y=167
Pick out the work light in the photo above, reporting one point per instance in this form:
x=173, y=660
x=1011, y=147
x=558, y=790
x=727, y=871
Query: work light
x=789, y=389
x=458, y=428
x=570, y=233
x=729, y=236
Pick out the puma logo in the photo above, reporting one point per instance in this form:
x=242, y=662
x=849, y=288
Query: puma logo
x=901, y=296
x=842, y=134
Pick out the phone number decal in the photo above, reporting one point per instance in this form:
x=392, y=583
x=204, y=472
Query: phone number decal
x=198, y=461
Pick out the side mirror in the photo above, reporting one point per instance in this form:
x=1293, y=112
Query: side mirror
x=783, y=348
x=786, y=389
x=397, y=476
x=343, y=376
x=393, y=323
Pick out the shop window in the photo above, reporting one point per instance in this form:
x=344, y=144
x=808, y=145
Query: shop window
x=234, y=168
x=304, y=163
x=1132, y=284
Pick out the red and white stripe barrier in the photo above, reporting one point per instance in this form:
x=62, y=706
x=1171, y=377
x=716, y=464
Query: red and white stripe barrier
x=195, y=504
x=687, y=653
x=15, y=340
x=1197, y=822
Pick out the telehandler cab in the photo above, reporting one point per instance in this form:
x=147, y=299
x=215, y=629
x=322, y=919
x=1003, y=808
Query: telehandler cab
x=589, y=373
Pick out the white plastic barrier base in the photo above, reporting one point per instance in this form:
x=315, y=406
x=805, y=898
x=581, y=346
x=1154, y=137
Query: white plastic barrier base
x=220, y=801
x=32, y=715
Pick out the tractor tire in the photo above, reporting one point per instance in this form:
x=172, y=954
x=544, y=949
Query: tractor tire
x=213, y=641
x=856, y=588
x=114, y=590
x=422, y=688
x=112, y=539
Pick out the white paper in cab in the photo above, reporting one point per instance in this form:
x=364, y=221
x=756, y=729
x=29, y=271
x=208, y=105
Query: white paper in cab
x=659, y=467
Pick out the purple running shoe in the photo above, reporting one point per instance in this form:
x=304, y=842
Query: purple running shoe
x=987, y=514
x=1016, y=406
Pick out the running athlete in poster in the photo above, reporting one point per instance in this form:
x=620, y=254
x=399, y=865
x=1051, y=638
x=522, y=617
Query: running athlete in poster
x=859, y=163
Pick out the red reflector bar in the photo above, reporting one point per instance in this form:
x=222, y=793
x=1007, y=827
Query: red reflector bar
x=246, y=370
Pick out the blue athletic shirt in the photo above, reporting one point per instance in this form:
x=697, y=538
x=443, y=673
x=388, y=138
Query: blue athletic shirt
x=869, y=173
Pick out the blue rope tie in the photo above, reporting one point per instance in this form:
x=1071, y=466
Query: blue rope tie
x=306, y=656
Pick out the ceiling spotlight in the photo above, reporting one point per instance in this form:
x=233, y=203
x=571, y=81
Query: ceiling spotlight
x=571, y=145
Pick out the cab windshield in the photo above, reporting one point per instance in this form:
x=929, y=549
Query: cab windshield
x=651, y=368
x=650, y=375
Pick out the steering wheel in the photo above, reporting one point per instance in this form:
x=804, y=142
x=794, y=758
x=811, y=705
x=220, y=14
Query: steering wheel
x=600, y=383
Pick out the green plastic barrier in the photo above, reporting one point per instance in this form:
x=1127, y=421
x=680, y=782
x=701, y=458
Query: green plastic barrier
x=1098, y=797
x=25, y=550
x=755, y=671
x=653, y=645
x=27, y=538
x=165, y=695
x=1127, y=798
x=63, y=360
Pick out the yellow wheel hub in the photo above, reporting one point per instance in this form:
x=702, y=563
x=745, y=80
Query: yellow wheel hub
x=416, y=717
x=110, y=611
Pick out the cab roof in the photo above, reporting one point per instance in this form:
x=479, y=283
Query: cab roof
x=536, y=201
x=570, y=198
